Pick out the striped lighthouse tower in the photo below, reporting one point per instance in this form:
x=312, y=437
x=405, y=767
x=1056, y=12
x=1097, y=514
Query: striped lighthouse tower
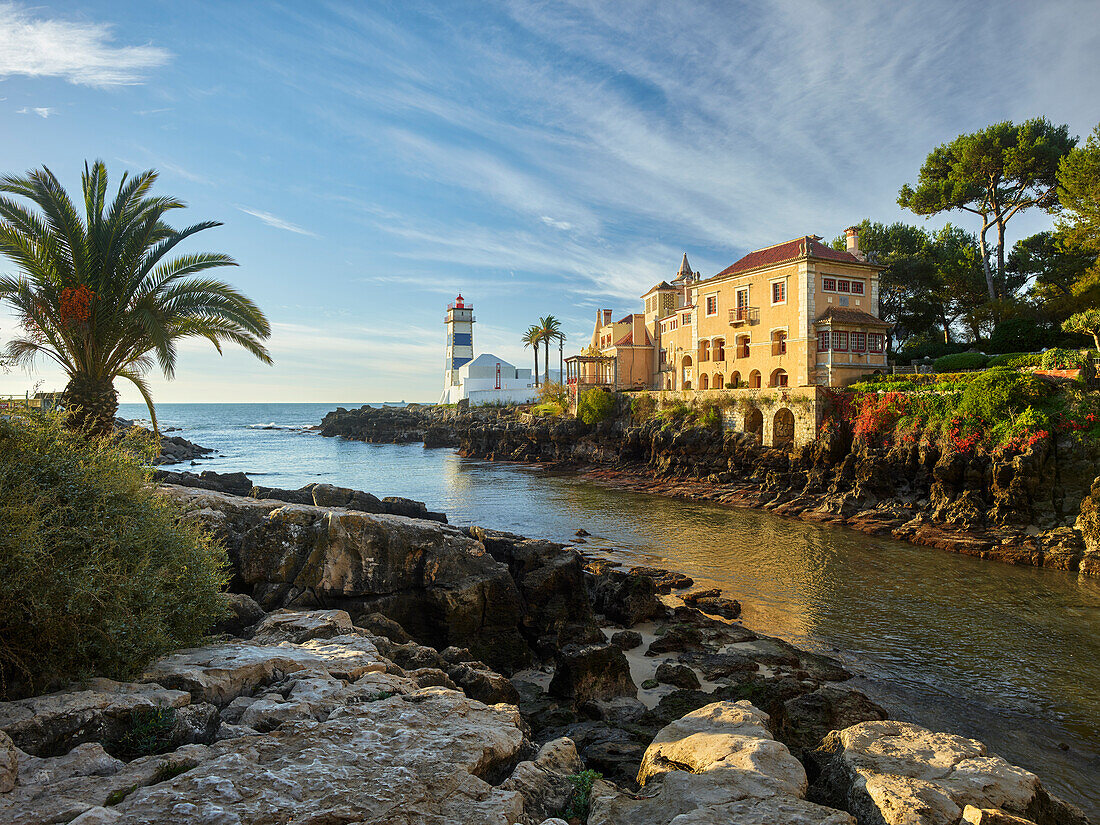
x=460, y=341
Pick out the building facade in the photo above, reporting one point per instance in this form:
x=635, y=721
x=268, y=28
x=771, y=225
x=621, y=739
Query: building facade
x=483, y=379
x=796, y=314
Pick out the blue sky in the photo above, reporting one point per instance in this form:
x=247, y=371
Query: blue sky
x=371, y=160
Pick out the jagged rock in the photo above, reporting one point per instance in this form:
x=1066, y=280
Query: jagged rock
x=664, y=580
x=991, y=816
x=716, y=766
x=379, y=625
x=244, y=612
x=9, y=763
x=483, y=684
x=626, y=639
x=220, y=673
x=436, y=582
x=443, y=747
x=237, y=484
x=299, y=626
x=719, y=606
x=625, y=598
x=303, y=495
x=194, y=724
x=55, y=723
x=676, y=638
x=592, y=672
x=544, y=781
x=679, y=676
x=900, y=773
x=810, y=717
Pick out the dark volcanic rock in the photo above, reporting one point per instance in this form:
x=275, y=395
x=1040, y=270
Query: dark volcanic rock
x=679, y=676
x=626, y=598
x=626, y=639
x=236, y=484
x=586, y=672
x=810, y=717
x=664, y=580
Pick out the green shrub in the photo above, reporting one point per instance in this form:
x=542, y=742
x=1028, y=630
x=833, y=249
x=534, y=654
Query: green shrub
x=595, y=405
x=921, y=347
x=580, y=797
x=96, y=575
x=149, y=733
x=554, y=393
x=676, y=412
x=960, y=361
x=643, y=406
x=1016, y=359
x=1025, y=334
x=547, y=410
x=1001, y=394
x=1062, y=359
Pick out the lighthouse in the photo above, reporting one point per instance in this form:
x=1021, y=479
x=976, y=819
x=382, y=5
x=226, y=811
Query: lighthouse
x=460, y=341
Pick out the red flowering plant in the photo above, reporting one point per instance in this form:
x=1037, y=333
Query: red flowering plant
x=876, y=415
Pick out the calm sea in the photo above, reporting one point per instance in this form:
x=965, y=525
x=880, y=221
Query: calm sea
x=1008, y=655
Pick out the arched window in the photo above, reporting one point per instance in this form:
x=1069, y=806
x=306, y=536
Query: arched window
x=742, y=346
x=704, y=351
x=783, y=428
x=754, y=379
x=704, y=382
x=735, y=379
x=779, y=342
x=718, y=349
x=716, y=381
x=778, y=378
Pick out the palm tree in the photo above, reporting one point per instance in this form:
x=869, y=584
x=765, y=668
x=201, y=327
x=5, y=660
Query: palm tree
x=532, y=338
x=97, y=294
x=549, y=328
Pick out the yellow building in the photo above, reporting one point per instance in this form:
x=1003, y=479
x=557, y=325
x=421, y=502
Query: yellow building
x=799, y=313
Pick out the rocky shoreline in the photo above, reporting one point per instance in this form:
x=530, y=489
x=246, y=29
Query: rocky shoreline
x=379, y=667
x=1037, y=507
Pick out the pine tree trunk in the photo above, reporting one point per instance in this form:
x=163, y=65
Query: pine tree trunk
x=92, y=404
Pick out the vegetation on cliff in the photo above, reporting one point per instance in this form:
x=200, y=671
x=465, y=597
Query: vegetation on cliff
x=97, y=575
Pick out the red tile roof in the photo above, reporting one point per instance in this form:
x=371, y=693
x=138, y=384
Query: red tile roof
x=628, y=340
x=789, y=251
x=847, y=315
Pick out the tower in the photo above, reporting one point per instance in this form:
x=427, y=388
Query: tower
x=460, y=341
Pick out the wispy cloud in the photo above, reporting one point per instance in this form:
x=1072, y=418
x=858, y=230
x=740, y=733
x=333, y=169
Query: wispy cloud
x=277, y=222
x=41, y=111
x=80, y=52
x=564, y=226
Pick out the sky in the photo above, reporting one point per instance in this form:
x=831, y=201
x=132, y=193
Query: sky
x=370, y=161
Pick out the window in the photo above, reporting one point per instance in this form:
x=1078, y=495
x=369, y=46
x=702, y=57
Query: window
x=743, y=298
x=843, y=286
x=828, y=284
x=840, y=341
x=859, y=342
x=779, y=292
x=672, y=324
x=876, y=341
x=779, y=342
x=712, y=305
x=823, y=341
x=857, y=287
x=687, y=317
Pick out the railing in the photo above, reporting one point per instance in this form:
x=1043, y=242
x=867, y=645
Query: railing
x=744, y=315
x=455, y=305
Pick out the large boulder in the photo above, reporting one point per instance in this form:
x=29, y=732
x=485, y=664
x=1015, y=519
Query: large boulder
x=9, y=763
x=715, y=766
x=592, y=672
x=103, y=710
x=625, y=598
x=544, y=781
x=811, y=717
x=896, y=773
x=438, y=583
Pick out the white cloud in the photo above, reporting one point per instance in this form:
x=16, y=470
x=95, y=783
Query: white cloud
x=277, y=222
x=564, y=226
x=79, y=52
x=41, y=111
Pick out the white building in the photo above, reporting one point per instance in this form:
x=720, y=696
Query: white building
x=481, y=380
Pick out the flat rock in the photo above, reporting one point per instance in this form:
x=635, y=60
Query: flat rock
x=54, y=723
x=302, y=625
x=902, y=774
x=219, y=673
x=420, y=758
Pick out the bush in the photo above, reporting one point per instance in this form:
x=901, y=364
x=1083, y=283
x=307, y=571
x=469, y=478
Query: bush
x=921, y=347
x=554, y=393
x=96, y=575
x=595, y=405
x=548, y=410
x=643, y=406
x=1062, y=359
x=1001, y=394
x=960, y=361
x=1018, y=360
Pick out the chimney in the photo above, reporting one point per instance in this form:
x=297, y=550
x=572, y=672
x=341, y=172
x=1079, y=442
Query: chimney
x=852, y=235
x=606, y=317
x=639, y=330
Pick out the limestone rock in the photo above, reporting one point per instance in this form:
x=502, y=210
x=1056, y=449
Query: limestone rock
x=896, y=772
x=723, y=734
x=592, y=672
x=543, y=782
x=680, y=676
x=991, y=816
x=9, y=763
x=53, y=724
x=244, y=612
x=220, y=673
x=300, y=626
x=810, y=717
x=424, y=757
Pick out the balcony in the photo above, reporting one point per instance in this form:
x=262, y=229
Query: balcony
x=744, y=315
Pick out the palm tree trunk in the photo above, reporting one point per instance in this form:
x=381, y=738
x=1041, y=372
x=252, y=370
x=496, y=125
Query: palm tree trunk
x=92, y=404
x=536, y=348
x=546, y=359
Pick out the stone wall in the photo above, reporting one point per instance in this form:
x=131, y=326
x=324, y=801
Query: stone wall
x=774, y=428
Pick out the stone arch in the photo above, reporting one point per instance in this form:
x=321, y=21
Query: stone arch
x=685, y=372
x=718, y=349
x=735, y=379
x=754, y=424
x=716, y=381
x=754, y=379
x=778, y=378
x=783, y=428
x=704, y=350
x=704, y=381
